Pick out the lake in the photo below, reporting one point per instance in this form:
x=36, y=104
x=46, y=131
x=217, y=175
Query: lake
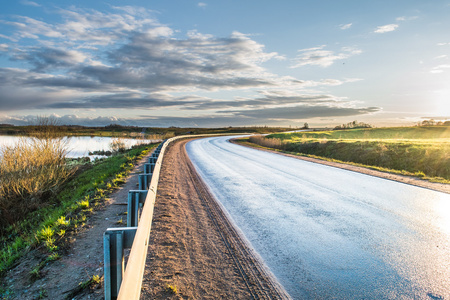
x=80, y=146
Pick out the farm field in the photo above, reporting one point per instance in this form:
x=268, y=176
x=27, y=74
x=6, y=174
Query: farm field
x=419, y=151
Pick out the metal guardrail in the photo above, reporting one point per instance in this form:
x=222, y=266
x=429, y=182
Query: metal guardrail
x=125, y=283
x=121, y=283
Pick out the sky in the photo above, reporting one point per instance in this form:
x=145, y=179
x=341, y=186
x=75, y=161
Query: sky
x=225, y=63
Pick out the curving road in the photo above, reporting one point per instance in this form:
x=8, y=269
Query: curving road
x=328, y=233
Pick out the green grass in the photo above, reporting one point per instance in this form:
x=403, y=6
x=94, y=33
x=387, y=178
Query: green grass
x=68, y=209
x=419, y=151
x=395, y=133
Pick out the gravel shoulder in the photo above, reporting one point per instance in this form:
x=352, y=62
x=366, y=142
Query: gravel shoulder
x=193, y=246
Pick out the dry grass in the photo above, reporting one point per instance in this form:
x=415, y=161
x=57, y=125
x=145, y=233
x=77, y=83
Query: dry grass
x=275, y=143
x=30, y=172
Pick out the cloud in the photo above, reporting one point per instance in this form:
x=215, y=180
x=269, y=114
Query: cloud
x=320, y=57
x=386, y=28
x=50, y=58
x=202, y=4
x=133, y=50
x=66, y=120
x=403, y=18
x=305, y=112
x=7, y=37
x=274, y=116
x=125, y=59
x=345, y=26
x=440, y=69
x=29, y=3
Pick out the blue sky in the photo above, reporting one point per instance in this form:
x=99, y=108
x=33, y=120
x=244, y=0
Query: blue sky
x=225, y=63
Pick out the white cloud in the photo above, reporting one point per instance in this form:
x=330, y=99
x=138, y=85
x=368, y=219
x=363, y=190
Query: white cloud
x=30, y=3
x=320, y=57
x=439, y=69
x=8, y=38
x=202, y=4
x=444, y=56
x=403, y=18
x=443, y=44
x=386, y=28
x=345, y=26
x=4, y=47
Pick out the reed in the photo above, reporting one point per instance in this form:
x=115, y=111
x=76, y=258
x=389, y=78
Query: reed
x=30, y=172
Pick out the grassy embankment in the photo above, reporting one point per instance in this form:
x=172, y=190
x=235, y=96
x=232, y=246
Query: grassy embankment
x=62, y=208
x=416, y=151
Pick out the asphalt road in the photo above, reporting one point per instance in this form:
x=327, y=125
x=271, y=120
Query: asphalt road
x=328, y=233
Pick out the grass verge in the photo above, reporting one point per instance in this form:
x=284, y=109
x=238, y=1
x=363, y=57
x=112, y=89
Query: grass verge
x=47, y=226
x=429, y=160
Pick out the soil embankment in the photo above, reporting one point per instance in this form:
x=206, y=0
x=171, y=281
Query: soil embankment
x=195, y=252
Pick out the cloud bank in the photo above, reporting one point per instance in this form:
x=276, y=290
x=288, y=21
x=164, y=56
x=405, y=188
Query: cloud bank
x=126, y=59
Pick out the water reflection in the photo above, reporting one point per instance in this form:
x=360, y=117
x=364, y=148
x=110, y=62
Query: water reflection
x=80, y=146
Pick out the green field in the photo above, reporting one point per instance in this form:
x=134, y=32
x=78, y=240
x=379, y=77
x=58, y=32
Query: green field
x=391, y=133
x=418, y=151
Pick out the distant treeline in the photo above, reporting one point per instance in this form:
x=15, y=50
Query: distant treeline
x=432, y=122
x=353, y=125
x=116, y=130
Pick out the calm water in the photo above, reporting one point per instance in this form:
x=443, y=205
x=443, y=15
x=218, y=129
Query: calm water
x=80, y=146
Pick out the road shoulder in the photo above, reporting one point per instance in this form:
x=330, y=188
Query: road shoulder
x=194, y=251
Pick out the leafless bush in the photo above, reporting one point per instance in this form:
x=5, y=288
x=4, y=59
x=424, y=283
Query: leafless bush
x=32, y=170
x=267, y=142
x=117, y=145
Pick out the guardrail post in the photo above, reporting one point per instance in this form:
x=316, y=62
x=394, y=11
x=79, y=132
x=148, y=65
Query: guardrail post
x=152, y=160
x=144, y=181
x=149, y=168
x=136, y=199
x=115, y=240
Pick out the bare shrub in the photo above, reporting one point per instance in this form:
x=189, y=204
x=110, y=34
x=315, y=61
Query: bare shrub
x=266, y=142
x=30, y=173
x=117, y=145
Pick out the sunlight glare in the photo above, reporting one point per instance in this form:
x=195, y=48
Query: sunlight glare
x=443, y=211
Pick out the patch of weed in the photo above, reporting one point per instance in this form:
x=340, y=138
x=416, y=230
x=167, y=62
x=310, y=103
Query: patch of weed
x=171, y=289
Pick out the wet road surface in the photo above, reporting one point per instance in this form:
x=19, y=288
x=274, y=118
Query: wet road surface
x=328, y=233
